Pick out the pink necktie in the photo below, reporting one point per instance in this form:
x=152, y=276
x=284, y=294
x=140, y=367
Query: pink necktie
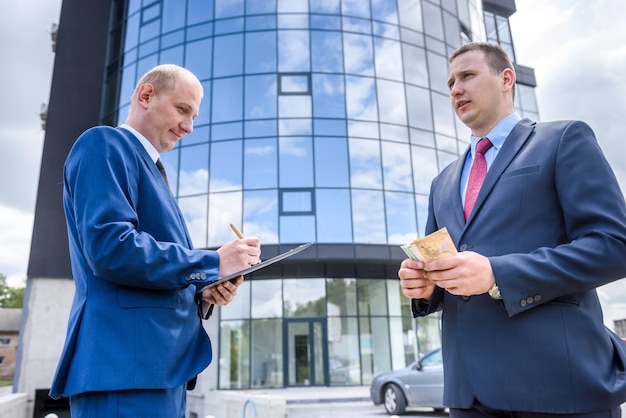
x=476, y=176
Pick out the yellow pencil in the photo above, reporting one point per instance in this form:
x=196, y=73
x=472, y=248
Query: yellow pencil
x=236, y=230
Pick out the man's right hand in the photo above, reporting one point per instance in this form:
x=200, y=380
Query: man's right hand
x=413, y=280
x=238, y=255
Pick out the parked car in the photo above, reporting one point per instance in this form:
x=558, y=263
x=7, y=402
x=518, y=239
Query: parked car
x=419, y=385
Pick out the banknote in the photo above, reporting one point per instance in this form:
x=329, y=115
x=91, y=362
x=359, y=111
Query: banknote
x=433, y=246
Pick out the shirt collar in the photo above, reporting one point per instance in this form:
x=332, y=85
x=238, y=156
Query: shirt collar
x=498, y=134
x=154, y=154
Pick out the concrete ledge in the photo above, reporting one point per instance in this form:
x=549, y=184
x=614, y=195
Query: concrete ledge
x=246, y=403
x=13, y=405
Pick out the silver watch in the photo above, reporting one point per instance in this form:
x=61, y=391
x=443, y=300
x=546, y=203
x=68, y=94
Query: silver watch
x=494, y=292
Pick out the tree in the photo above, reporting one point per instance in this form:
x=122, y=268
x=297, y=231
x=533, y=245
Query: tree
x=10, y=297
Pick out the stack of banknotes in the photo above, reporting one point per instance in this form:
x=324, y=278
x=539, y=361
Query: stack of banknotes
x=431, y=247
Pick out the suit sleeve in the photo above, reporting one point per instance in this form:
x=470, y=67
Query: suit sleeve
x=586, y=247
x=106, y=187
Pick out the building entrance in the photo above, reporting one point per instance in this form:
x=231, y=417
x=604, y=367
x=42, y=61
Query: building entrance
x=306, y=354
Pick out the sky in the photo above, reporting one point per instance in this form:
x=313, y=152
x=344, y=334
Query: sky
x=576, y=47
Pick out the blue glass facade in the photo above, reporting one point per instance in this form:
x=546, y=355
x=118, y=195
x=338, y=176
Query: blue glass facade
x=322, y=121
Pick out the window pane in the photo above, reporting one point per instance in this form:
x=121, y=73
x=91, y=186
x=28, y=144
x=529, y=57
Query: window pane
x=297, y=229
x=239, y=307
x=194, y=176
x=331, y=162
x=328, y=96
x=260, y=168
x=223, y=208
x=227, y=58
x=419, y=110
x=260, y=215
x=444, y=115
x=234, y=346
x=199, y=11
x=410, y=12
x=334, y=223
x=385, y=11
x=173, y=15
x=341, y=299
x=228, y=8
x=227, y=97
x=414, y=63
x=388, y=58
x=358, y=54
x=198, y=58
x=374, y=339
x=296, y=201
x=424, y=168
x=355, y=8
x=365, y=164
x=293, y=51
x=368, y=217
x=226, y=166
x=294, y=106
x=304, y=297
x=267, y=297
x=433, y=24
x=401, y=219
x=260, y=6
x=261, y=100
x=391, y=102
x=261, y=52
x=327, y=51
x=295, y=162
x=267, y=348
x=361, y=98
x=194, y=210
x=397, y=166
x=438, y=67
x=344, y=363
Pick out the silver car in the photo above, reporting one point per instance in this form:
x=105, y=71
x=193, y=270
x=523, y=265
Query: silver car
x=419, y=385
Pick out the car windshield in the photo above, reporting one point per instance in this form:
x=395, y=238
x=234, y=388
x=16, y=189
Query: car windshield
x=433, y=358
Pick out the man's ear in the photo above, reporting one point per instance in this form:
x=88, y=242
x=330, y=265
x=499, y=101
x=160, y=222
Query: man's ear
x=145, y=94
x=508, y=78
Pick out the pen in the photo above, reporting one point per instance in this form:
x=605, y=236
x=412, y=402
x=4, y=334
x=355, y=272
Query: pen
x=236, y=230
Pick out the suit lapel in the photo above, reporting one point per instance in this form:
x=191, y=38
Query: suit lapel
x=512, y=145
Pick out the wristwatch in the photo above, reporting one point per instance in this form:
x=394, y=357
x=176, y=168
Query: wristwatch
x=494, y=292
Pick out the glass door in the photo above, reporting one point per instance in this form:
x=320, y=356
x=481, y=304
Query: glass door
x=305, y=352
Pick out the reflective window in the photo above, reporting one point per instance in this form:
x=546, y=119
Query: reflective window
x=304, y=297
x=293, y=21
x=355, y=8
x=401, y=219
x=193, y=175
x=228, y=8
x=224, y=131
x=414, y=63
x=293, y=6
x=358, y=54
x=396, y=166
x=296, y=201
x=293, y=51
x=260, y=168
x=344, y=364
x=172, y=56
x=227, y=98
x=267, y=297
x=198, y=59
x=388, y=58
x=173, y=15
x=331, y=162
x=260, y=215
x=257, y=128
x=226, y=166
x=385, y=11
x=194, y=210
x=223, y=208
x=365, y=164
x=294, y=84
x=334, y=222
x=226, y=61
x=297, y=229
x=266, y=356
x=391, y=102
x=374, y=339
x=294, y=107
x=234, y=346
x=329, y=100
x=443, y=114
x=410, y=12
x=341, y=297
x=326, y=6
x=368, y=216
x=353, y=24
x=326, y=48
x=199, y=11
x=361, y=98
x=325, y=22
x=260, y=99
x=225, y=26
x=424, y=168
x=295, y=162
x=433, y=22
x=254, y=23
x=438, y=67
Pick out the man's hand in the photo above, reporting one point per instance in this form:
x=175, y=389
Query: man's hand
x=223, y=293
x=238, y=255
x=413, y=280
x=465, y=274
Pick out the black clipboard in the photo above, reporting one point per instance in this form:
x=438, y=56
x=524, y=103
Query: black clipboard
x=258, y=266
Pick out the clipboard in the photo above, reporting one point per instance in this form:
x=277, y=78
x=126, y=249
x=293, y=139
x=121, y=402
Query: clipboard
x=258, y=266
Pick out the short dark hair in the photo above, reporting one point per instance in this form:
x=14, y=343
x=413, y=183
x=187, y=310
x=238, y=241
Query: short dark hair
x=496, y=58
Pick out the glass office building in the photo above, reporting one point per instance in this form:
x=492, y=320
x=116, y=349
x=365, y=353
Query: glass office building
x=323, y=121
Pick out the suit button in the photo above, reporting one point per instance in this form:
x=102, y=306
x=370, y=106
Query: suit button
x=465, y=297
x=522, y=303
x=530, y=300
x=203, y=276
x=463, y=247
x=537, y=298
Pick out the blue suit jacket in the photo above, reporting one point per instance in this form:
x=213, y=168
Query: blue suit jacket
x=134, y=322
x=552, y=220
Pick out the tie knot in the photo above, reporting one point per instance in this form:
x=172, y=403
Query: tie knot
x=483, y=145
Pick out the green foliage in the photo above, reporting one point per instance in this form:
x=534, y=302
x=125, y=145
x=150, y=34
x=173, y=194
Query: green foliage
x=10, y=297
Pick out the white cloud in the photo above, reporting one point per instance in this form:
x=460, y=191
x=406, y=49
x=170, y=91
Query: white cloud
x=17, y=229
